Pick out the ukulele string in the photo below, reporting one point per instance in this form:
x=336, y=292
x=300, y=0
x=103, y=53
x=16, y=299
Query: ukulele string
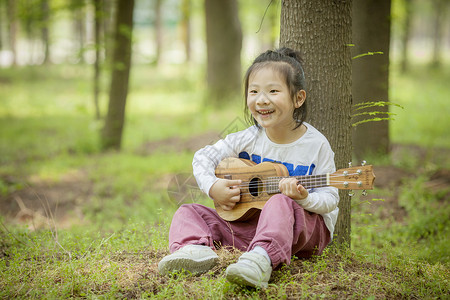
x=310, y=181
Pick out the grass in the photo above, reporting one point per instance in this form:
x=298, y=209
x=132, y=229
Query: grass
x=95, y=224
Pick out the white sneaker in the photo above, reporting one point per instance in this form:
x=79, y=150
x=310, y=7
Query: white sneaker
x=252, y=269
x=196, y=259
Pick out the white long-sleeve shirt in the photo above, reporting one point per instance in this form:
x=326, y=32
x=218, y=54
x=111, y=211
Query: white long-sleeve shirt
x=311, y=154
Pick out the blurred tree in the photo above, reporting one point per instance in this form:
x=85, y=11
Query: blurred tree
x=77, y=7
x=370, y=77
x=321, y=30
x=224, y=44
x=12, y=22
x=45, y=10
x=108, y=16
x=98, y=18
x=158, y=30
x=1, y=23
x=34, y=16
x=405, y=36
x=186, y=27
x=111, y=135
x=439, y=10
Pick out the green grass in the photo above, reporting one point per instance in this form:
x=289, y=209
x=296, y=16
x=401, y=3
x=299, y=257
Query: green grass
x=114, y=232
x=423, y=93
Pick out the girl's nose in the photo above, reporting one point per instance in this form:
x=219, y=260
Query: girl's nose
x=262, y=99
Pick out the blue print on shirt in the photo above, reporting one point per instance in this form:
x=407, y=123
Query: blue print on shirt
x=297, y=171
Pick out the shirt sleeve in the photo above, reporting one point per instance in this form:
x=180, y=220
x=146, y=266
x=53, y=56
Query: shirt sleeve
x=326, y=199
x=208, y=158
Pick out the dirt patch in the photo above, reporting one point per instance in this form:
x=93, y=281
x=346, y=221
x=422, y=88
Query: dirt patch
x=43, y=202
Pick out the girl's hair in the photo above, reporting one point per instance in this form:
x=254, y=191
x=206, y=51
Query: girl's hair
x=289, y=64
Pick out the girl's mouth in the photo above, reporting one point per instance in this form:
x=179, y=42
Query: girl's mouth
x=265, y=112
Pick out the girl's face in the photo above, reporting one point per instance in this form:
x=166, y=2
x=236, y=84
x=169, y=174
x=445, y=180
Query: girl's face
x=270, y=103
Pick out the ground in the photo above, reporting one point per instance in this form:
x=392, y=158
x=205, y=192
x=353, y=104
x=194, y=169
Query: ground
x=41, y=201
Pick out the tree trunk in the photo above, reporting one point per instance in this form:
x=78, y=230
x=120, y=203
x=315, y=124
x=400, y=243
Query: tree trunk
x=406, y=33
x=45, y=30
x=371, y=33
x=79, y=29
x=121, y=64
x=1, y=25
x=158, y=31
x=98, y=17
x=186, y=28
x=439, y=17
x=12, y=20
x=224, y=43
x=321, y=30
x=108, y=16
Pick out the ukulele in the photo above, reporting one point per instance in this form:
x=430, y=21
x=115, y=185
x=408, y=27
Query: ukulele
x=260, y=182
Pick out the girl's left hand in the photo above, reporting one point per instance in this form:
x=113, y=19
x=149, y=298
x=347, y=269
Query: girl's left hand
x=290, y=188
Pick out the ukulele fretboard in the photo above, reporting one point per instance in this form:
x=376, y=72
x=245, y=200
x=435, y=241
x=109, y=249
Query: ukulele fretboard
x=307, y=181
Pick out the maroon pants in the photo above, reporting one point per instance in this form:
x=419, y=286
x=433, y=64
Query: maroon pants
x=282, y=228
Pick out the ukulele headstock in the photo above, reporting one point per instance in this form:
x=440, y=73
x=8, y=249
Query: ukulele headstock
x=354, y=178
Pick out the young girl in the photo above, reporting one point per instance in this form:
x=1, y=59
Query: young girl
x=297, y=221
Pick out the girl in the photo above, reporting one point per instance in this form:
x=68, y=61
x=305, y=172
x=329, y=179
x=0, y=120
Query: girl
x=296, y=221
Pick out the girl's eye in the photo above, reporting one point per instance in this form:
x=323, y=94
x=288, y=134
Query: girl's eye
x=253, y=92
x=273, y=91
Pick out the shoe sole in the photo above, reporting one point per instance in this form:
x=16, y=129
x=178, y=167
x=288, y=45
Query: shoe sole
x=188, y=264
x=235, y=277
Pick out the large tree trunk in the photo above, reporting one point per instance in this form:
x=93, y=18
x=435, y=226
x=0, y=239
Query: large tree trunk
x=371, y=33
x=121, y=64
x=224, y=43
x=321, y=30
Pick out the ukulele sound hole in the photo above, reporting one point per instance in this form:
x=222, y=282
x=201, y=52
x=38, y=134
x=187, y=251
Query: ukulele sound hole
x=255, y=187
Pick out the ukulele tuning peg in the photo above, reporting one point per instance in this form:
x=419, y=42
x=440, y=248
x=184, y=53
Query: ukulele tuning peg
x=351, y=193
x=363, y=163
x=364, y=193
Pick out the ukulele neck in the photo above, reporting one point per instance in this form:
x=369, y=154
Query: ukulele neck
x=307, y=181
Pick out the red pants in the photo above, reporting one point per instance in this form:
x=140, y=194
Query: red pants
x=282, y=228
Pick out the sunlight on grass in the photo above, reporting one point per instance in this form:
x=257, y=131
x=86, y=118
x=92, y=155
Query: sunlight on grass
x=424, y=95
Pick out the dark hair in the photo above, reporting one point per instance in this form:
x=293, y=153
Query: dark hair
x=289, y=64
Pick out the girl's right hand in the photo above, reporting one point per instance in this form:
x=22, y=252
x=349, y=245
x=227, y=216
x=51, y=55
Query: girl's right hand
x=226, y=193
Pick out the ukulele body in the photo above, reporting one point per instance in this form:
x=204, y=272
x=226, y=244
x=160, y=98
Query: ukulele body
x=254, y=188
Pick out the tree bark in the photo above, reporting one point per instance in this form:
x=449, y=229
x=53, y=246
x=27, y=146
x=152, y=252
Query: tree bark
x=321, y=30
x=121, y=64
x=224, y=44
x=371, y=33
